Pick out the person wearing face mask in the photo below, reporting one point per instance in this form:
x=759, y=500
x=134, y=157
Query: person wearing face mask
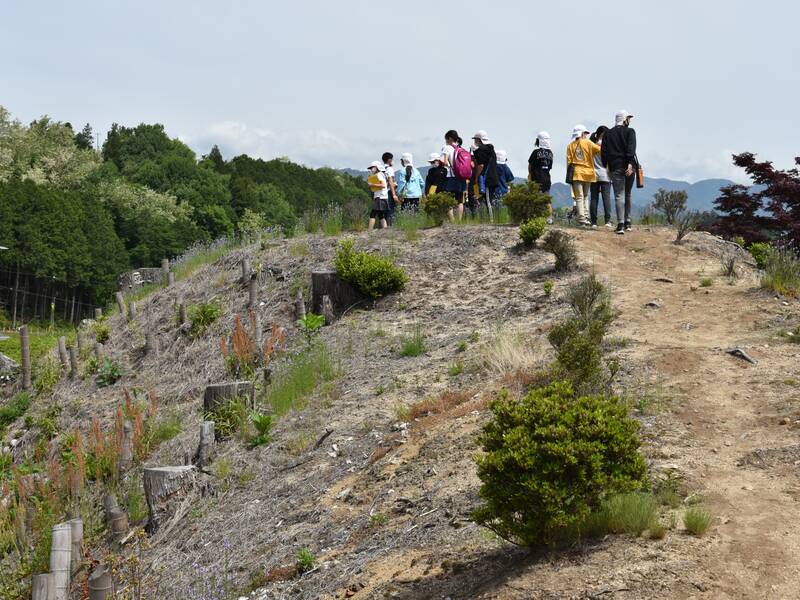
x=409, y=184
x=484, y=175
x=437, y=174
x=580, y=156
x=618, y=155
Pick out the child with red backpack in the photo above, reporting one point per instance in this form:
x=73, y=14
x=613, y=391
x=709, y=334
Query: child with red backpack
x=458, y=163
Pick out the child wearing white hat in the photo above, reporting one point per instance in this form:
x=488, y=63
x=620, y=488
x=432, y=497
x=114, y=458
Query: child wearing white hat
x=380, y=194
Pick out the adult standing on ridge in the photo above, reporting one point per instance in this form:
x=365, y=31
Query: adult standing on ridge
x=387, y=158
x=601, y=187
x=410, y=185
x=540, y=163
x=505, y=178
x=580, y=157
x=619, y=157
x=454, y=184
x=485, y=166
x=380, y=194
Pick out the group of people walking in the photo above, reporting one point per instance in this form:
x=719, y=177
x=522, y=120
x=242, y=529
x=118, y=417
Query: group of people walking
x=596, y=165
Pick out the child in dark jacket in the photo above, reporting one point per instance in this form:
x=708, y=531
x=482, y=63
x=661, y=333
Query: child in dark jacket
x=434, y=180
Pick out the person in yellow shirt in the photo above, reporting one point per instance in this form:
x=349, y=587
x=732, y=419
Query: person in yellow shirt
x=580, y=154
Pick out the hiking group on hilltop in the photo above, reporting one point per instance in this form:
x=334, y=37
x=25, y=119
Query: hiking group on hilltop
x=480, y=177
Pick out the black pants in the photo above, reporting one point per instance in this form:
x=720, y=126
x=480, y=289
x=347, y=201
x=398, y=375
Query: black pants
x=600, y=188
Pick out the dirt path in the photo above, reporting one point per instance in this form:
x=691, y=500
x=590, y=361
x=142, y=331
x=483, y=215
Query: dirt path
x=729, y=407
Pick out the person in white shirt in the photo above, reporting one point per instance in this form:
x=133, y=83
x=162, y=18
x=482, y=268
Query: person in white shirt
x=378, y=184
x=453, y=184
x=387, y=158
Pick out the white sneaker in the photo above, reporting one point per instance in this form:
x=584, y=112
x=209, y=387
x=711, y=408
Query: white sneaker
x=594, y=226
x=609, y=225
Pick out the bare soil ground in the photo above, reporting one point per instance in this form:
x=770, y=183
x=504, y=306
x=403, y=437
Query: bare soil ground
x=384, y=505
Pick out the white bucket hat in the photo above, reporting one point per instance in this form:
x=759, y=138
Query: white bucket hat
x=502, y=157
x=377, y=164
x=482, y=136
x=621, y=115
x=434, y=156
x=407, y=158
x=578, y=131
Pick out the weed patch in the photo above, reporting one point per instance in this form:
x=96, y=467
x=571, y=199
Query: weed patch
x=414, y=344
x=697, y=520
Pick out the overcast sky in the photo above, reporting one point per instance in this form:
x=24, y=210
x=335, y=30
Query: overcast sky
x=337, y=83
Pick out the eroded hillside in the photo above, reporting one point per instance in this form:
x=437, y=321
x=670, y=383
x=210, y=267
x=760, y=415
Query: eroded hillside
x=379, y=487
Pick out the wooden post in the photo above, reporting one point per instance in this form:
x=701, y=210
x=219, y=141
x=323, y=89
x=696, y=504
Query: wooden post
x=76, y=556
x=100, y=584
x=245, y=270
x=62, y=353
x=343, y=296
x=218, y=394
x=206, y=448
x=327, y=310
x=73, y=362
x=253, y=292
x=43, y=587
x=118, y=523
x=126, y=448
x=165, y=267
x=109, y=504
x=299, y=306
x=120, y=303
x=98, y=314
x=99, y=352
x=170, y=279
x=150, y=343
x=79, y=341
x=165, y=489
x=258, y=335
x=131, y=310
x=60, y=552
x=25, y=344
x=183, y=315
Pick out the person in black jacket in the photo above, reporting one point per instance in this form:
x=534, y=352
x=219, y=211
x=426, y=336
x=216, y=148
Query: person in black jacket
x=540, y=163
x=618, y=155
x=437, y=175
x=485, y=166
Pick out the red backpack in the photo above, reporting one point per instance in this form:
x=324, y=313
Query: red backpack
x=462, y=163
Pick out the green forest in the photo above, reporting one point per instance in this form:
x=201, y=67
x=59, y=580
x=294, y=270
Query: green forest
x=80, y=216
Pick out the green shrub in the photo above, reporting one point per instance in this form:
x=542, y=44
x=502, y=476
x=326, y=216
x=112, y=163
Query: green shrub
x=102, y=332
x=413, y=345
x=547, y=286
x=45, y=375
x=532, y=230
x=310, y=324
x=560, y=244
x=202, y=316
x=759, y=251
x=697, y=520
x=230, y=418
x=526, y=202
x=438, y=206
x=109, y=373
x=305, y=560
x=549, y=460
x=263, y=425
x=706, y=282
x=373, y=275
x=782, y=272
x=14, y=409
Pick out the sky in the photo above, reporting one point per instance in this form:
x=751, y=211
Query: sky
x=338, y=83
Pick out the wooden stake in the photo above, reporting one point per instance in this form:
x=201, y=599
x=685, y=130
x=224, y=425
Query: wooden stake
x=299, y=306
x=126, y=448
x=150, y=344
x=43, y=587
x=327, y=310
x=109, y=504
x=99, y=352
x=60, y=552
x=206, y=448
x=259, y=335
x=165, y=267
x=120, y=303
x=25, y=343
x=183, y=314
x=170, y=279
x=118, y=523
x=245, y=270
x=76, y=529
x=253, y=292
x=73, y=362
x=62, y=353
x=98, y=314
x=131, y=311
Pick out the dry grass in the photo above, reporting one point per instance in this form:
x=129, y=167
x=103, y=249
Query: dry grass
x=509, y=352
x=440, y=404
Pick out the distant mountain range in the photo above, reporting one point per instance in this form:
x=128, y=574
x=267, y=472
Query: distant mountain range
x=701, y=194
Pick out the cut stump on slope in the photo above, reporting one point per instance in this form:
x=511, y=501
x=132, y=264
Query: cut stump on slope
x=343, y=295
x=165, y=489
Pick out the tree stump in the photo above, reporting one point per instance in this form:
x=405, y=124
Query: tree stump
x=206, y=448
x=165, y=488
x=98, y=314
x=60, y=553
x=120, y=303
x=73, y=362
x=100, y=584
x=218, y=394
x=343, y=296
x=62, y=353
x=299, y=306
x=150, y=344
x=43, y=587
x=131, y=311
x=109, y=504
x=118, y=522
x=183, y=315
x=126, y=448
x=246, y=271
x=76, y=530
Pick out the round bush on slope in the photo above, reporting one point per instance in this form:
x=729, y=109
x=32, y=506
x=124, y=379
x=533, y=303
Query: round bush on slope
x=550, y=459
x=373, y=275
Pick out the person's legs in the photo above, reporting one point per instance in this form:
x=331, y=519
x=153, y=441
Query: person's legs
x=605, y=192
x=580, y=202
x=372, y=215
x=629, y=179
x=595, y=193
x=618, y=183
